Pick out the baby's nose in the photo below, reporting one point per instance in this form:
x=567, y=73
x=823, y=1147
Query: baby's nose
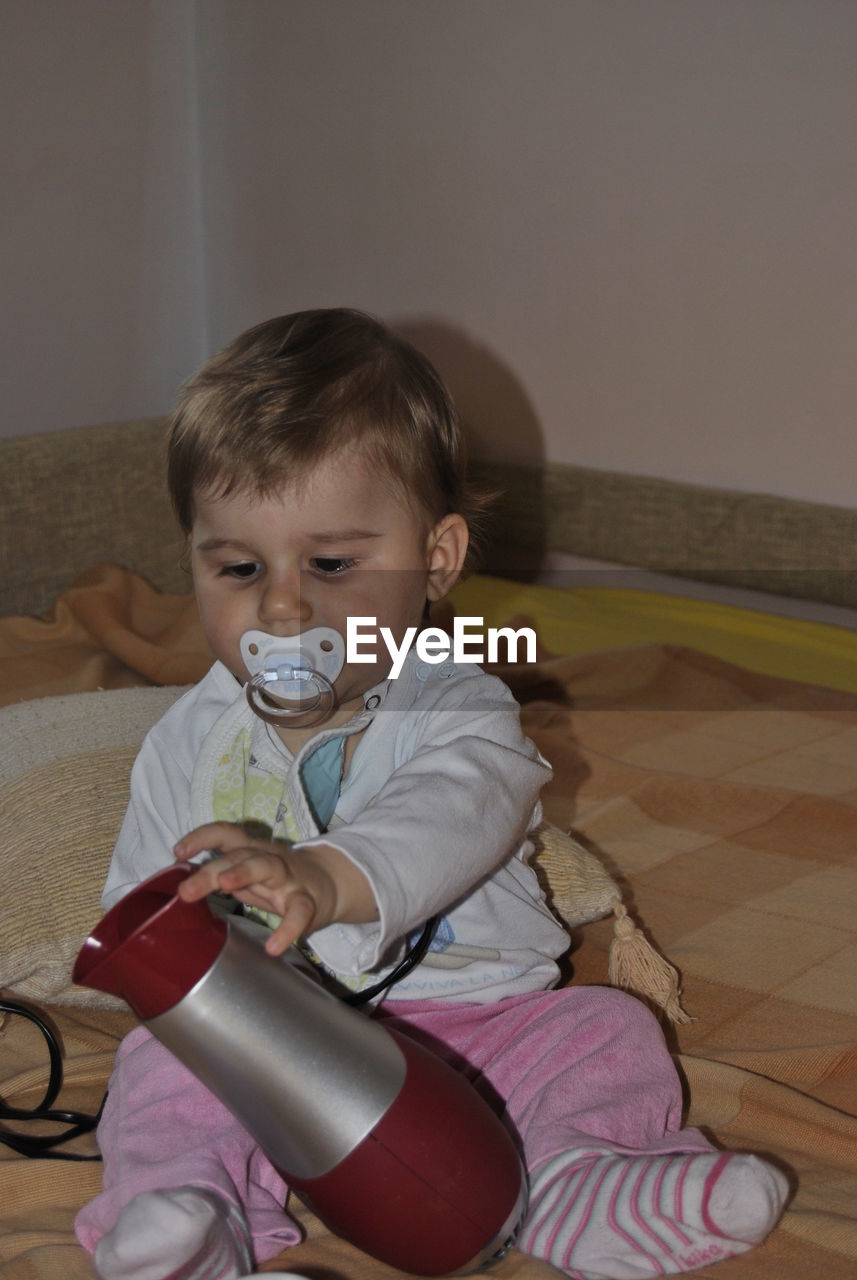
x=284, y=601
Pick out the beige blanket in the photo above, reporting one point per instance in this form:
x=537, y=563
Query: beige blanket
x=725, y=802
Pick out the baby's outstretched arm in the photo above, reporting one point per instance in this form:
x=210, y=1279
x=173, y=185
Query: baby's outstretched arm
x=310, y=889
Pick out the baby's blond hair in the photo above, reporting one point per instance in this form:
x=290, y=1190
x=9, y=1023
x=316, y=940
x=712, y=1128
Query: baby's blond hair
x=300, y=388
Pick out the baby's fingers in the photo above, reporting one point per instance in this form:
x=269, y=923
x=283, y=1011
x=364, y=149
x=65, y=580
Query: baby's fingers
x=226, y=837
x=266, y=872
x=207, y=878
x=296, y=921
x=234, y=872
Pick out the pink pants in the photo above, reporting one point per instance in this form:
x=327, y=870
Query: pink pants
x=570, y=1066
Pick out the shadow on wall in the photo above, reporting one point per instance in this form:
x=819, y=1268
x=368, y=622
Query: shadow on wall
x=504, y=440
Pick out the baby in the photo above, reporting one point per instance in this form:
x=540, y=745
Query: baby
x=316, y=465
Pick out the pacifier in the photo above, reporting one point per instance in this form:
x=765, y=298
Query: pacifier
x=291, y=677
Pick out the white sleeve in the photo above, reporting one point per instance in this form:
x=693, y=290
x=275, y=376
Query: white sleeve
x=446, y=819
x=159, y=812
x=158, y=815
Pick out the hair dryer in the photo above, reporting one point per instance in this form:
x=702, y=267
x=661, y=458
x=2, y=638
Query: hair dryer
x=389, y=1145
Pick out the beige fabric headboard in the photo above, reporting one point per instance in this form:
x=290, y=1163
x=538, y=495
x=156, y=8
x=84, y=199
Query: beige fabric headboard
x=779, y=545
x=75, y=498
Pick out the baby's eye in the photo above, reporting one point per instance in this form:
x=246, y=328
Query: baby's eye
x=331, y=566
x=244, y=570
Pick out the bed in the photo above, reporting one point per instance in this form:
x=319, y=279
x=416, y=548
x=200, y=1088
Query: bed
x=702, y=726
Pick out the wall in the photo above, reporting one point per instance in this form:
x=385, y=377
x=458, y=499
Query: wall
x=625, y=230
x=102, y=309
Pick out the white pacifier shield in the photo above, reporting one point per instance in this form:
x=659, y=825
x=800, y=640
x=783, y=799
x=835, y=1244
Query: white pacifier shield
x=283, y=665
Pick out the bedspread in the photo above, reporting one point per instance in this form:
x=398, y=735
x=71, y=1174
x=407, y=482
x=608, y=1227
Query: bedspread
x=724, y=802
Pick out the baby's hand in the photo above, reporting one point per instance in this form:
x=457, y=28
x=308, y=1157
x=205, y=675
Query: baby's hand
x=309, y=889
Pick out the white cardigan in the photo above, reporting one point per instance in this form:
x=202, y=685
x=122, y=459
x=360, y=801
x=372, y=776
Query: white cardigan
x=435, y=809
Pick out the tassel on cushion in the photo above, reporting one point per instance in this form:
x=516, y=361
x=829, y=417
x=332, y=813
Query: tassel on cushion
x=634, y=965
x=580, y=889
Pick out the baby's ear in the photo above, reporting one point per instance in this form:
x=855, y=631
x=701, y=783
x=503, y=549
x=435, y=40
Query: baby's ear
x=447, y=547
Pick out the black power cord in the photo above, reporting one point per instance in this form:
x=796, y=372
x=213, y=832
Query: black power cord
x=42, y=1148
x=409, y=962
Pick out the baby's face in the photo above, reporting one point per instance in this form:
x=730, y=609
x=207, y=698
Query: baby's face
x=344, y=543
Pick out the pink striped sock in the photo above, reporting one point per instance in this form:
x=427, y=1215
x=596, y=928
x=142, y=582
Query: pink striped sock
x=598, y=1215
x=182, y=1234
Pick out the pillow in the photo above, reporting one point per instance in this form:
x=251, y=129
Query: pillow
x=64, y=769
